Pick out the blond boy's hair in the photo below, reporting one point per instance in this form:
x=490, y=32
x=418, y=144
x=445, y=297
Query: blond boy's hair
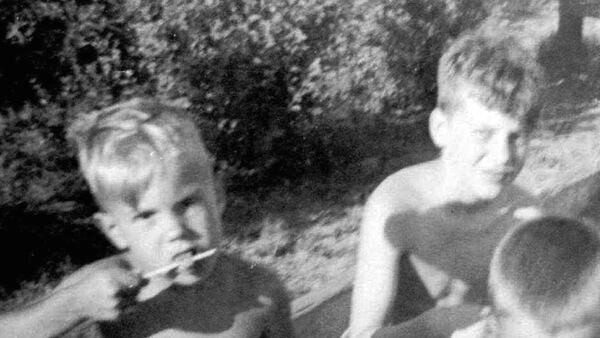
x=548, y=270
x=495, y=69
x=123, y=147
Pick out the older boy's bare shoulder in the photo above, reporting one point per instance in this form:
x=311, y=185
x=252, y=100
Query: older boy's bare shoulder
x=407, y=189
x=395, y=205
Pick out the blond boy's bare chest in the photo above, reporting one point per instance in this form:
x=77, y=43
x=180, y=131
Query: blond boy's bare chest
x=462, y=246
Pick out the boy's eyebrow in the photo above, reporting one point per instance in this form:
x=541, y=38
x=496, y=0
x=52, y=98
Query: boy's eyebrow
x=195, y=193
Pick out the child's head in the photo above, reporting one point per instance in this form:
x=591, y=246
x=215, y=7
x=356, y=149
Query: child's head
x=494, y=69
x=545, y=280
x=488, y=88
x=151, y=175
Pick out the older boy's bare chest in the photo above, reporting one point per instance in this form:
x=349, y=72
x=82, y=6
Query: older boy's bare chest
x=459, y=244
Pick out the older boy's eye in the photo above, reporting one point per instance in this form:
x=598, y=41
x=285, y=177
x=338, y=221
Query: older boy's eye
x=187, y=202
x=516, y=139
x=144, y=215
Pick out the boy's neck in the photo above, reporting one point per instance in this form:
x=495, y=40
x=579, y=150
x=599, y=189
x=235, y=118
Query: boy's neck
x=456, y=195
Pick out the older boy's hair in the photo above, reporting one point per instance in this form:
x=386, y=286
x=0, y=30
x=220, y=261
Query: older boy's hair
x=494, y=69
x=548, y=270
x=120, y=148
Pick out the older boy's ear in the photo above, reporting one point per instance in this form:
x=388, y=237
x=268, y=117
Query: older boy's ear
x=106, y=223
x=438, y=127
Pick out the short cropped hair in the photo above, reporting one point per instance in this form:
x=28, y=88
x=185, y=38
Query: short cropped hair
x=495, y=69
x=122, y=147
x=548, y=270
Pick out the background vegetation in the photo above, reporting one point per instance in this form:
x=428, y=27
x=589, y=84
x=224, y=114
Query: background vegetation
x=283, y=90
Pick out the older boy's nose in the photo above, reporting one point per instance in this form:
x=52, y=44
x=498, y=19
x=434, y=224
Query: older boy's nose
x=503, y=151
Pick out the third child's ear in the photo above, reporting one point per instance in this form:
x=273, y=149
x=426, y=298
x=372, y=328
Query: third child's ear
x=438, y=127
x=107, y=224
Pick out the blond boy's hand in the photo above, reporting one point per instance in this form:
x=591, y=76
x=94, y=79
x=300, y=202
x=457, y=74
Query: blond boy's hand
x=103, y=290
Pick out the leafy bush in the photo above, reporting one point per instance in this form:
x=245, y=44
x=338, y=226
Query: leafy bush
x=384, y=56
x=263, y=72
x=241, y=64
x=63, y=50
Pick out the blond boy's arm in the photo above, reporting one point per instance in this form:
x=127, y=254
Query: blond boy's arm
x=94, y=292
x=376, y=271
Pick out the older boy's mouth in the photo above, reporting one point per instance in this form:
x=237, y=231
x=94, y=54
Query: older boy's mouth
x=499, y=175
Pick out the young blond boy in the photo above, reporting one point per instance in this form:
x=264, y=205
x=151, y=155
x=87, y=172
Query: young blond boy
x=446, y=215
x=151, y=176
x=544, y=283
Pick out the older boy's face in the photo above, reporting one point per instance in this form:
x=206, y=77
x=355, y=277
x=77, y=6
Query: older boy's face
x=484, y=148
x=176, y=217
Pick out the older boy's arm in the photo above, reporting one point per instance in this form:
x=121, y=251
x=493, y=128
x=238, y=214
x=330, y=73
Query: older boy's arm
x=376, y=271
x=438, y=322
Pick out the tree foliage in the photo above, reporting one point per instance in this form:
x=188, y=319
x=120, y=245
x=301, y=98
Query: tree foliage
x=383, y=58
x=241, y=63
x=63, y=50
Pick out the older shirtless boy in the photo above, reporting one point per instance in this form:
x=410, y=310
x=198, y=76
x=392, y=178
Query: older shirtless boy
x=151, y=176
x=446, y=216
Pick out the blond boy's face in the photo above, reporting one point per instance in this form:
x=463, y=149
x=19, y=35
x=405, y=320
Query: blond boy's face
x=176, y=217
x=483, y=149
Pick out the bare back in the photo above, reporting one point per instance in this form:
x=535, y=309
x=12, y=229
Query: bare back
x=407, y=219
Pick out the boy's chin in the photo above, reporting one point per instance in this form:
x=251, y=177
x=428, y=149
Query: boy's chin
x=488, y=192
x=195, y=273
